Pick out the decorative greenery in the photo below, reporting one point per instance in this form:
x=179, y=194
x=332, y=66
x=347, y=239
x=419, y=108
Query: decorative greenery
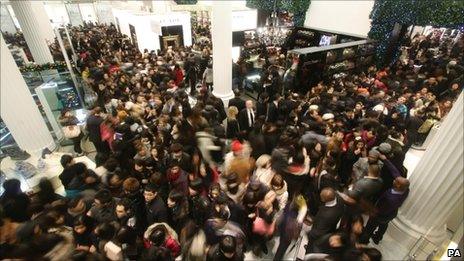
x=297, y=7
x=386, y=13
x=42, y=67
x=186, y=2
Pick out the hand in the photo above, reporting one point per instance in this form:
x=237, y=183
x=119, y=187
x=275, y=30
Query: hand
x=357, y=151
x=252, y=215
x=382, y=157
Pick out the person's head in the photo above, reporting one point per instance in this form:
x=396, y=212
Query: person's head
x=150, y=192
x=131, y=185
x=158, y=235
x=249, y=104
x=228, y=246
x=232, y=112
x=338, y=240
x=105, y=231
x=96, y=111
x=401, y=184
x=139, y=164
x=357, y=224
x=236, y=147
x=195, y=186
x=214, y=191
x=76, y=204
x=123, y=208
x=371, y=254
x=174, y=198
x=12, y=187
x=277, y=182
x=373, y=156
x=102, y=198
x=81, y=224
x=232, y=182
x=66, y=160
x=327, y=194
x=263, y=162
x=401, y=100
x=176, y=150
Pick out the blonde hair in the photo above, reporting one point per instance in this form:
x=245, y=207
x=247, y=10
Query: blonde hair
x=232, y=112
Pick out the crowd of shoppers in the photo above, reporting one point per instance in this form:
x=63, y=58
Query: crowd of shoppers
x=206, y=182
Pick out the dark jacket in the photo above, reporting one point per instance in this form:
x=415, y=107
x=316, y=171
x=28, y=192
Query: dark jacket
x=156, y=211
x=237, y=102
x=93, y=127
x=243, y=120
x=326, y=219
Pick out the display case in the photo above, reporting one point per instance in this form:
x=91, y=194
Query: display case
x=56, y=95
x=322, y=63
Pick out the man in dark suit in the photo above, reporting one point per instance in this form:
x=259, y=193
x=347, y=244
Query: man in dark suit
x=237, y=101
x=246, y=117
x=93, y=127
x=272, y=114
x=327, y=216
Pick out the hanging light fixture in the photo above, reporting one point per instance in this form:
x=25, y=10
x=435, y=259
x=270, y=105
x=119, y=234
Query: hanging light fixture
x=273, y=34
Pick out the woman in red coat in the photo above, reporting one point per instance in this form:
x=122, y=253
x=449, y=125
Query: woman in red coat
x=178, y=74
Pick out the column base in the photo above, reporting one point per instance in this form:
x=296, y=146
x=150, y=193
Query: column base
x=402, y=238
x=225, y=97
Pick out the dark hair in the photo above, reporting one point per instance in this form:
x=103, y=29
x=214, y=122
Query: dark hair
x=104, y=196
x=12, y=187
x=65, y=160
x=111, y=164
x=158, y=235
x=106, y=231
x=83, y=220
x=157, y=254
x=228, y=244
x=373, y=253
x=176, y=196
x=151, y=187
x=72, y=203
x=46, y=193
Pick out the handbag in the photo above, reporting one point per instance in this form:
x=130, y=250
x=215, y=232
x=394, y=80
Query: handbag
x=261, y=227
x=71, y=131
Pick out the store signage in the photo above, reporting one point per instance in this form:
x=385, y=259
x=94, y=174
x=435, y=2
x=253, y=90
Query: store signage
x=244, y=20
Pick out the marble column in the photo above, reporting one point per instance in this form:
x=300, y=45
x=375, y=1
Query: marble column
x=221, y=31
x=19, y=110
x=36, y=28
x=436, y=186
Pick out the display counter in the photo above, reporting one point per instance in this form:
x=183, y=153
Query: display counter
x=49, y=168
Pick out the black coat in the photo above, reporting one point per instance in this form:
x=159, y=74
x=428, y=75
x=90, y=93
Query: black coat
x=93, y=127
x=237, y=102
x=243, y=120
x=326, y=219
x=232, y=129
x=272, y=113
x=157, y=211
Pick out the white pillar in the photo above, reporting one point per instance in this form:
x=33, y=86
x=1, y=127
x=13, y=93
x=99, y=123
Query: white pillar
x=36, y=28
x=7, y=23
x=221, y=31
x=19, y=110
x=436, y=186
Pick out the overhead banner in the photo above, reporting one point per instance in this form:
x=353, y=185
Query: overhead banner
x=74, y=13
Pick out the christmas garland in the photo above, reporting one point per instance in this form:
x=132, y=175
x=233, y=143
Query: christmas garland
x=43, y=67
x=186, y=2
x=386, y=13
x=297, y=7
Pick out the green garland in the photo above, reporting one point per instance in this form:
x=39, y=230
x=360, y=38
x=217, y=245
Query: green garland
x=186, y=2
x=43, y=67
x=437, y=13
x=297, y=7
